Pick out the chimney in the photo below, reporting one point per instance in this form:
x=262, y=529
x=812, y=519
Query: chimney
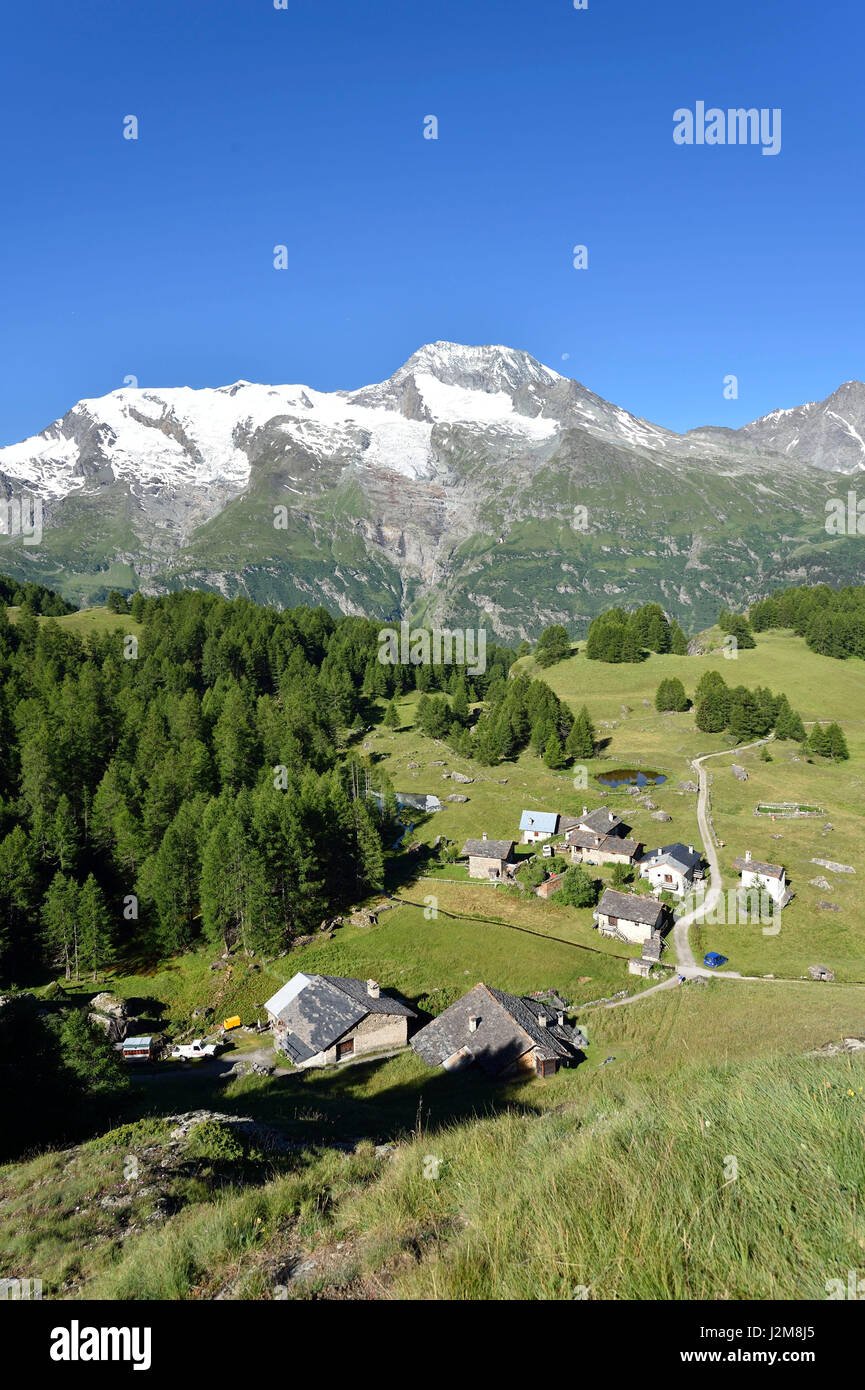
x=542, y=1020
x=747, y=854
x=473, y=1023
x=560, y=1017
x=484, y=835
x=690, y=849
x=373, y=989
x=585, y=810
x=612, y=817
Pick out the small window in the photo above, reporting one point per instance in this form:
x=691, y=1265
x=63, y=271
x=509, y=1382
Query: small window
x=345, y=1049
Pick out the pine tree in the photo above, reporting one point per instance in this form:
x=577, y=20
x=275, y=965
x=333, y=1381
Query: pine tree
x=235, y=743
x=659, y=634
x=391, y=716
x=819, y=741
x=460, y=703
x=369, y=855
x=670, y=695
x=554, y=754
x=554, y=644
x=95, y=928
x=678, y=641
x=60, y=924
x=17, y=896
x=90, y=1055
x=631, y=644
x=581, y=740
x=63, y=836
x=837, y=742
x=711, y=713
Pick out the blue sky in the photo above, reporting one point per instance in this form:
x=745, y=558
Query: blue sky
x=304, y=127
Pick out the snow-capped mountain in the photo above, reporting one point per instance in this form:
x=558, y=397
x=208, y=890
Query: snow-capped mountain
x=444, y=488
x=209, y=438
x=828, y=434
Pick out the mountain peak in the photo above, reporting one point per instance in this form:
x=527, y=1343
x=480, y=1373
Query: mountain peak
x=478, y=368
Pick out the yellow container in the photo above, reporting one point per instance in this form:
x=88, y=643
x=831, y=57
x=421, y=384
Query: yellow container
x=232, y=1022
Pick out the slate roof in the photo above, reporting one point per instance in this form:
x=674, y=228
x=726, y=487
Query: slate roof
x=488, y=849
x=678, y=855
x=507, y=1029
x=601, y=820
x=356, y=989
x=633, y=907
x=614, y=844
x=319, y=1009
x=757, y=866
x=295, y=1048
x=543, y=821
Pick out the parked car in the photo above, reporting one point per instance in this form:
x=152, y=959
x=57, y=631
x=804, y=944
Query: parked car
x=712, y=959
x=190, y=1052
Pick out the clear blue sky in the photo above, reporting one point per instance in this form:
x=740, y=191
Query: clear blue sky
x=304, y=127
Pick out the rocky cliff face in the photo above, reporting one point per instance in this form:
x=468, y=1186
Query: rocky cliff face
x=826, y=434
x=475, y=484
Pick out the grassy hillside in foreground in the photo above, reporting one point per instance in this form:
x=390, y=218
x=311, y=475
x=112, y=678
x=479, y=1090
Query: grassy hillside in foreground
x=718, y=1177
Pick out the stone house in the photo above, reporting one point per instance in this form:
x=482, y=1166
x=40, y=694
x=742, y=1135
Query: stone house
x=644, y=964
x=672, y=868
x=770, y=878
x=629, y=916
x=598, y=837
x=321, y=1019
x=488, y=858
x=502, y=1034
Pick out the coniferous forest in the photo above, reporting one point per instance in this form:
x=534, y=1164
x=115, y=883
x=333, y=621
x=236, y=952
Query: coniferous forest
x=196, y=777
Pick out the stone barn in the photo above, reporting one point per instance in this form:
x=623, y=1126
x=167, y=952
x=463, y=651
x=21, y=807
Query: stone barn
x=321, y=1019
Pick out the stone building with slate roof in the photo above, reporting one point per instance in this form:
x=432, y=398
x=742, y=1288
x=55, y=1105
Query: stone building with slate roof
x=629, y=916
x=598, y=837
x=502, y=1034
x=487, y=858
x=672, y=868
x=320, y=1019
x=769, y=878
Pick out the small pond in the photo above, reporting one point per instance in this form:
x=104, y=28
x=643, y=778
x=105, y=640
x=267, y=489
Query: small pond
x=631, y=777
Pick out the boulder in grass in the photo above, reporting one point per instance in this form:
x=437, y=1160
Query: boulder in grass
x=460, y=777
x=456, y=797
x=110, y=1004
x=821, y=972
x=834, y=868
x=821, y=882
x=115, y=1029
x=661, y=815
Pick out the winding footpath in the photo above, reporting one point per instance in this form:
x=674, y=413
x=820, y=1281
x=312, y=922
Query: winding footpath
x=687, y=964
